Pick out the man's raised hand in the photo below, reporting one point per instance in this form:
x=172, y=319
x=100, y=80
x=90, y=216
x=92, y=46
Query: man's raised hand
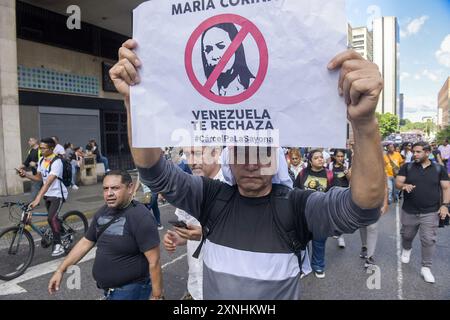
x=124, y=73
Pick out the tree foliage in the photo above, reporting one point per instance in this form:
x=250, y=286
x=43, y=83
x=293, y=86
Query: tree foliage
x=443, y=134
x=388, y=123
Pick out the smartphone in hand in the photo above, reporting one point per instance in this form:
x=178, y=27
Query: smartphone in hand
x=179, y=224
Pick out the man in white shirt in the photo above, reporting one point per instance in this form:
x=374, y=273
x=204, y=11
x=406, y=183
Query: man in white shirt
x=59, y=149
x=445, y=152
x=204, y=161
x=53, y=191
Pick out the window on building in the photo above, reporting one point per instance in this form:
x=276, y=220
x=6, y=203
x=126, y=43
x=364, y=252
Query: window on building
x=359, y=36
x=358, y=43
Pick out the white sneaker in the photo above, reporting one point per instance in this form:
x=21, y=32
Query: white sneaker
x=75, y=187
x=341, y=242
x=406, y=254
x=319, y=274
x=59, y=250
x=425, y=272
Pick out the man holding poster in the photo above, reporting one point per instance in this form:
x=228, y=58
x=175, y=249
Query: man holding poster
x=246, y=255
x=230, y=73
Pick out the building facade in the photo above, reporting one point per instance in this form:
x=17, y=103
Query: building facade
x=362, y=42
x=386, y=56
x=444, y=105
x=401, y=109
x=54, y=79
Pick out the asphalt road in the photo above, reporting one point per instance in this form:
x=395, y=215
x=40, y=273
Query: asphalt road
x=345, y=279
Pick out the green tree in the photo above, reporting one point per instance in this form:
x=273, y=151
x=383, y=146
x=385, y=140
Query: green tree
x=443, y=134
x=388, y=123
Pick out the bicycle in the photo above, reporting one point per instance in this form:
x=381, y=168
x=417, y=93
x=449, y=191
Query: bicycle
x=17, y=244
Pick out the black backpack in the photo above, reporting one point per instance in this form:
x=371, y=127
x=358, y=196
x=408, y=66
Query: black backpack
x=286, y=222
x=67, y=171
x=438, y=168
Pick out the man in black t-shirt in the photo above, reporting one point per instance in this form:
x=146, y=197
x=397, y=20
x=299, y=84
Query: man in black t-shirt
x=242, y=243
x=127, y=241
x=31, y=164
x=427, y=196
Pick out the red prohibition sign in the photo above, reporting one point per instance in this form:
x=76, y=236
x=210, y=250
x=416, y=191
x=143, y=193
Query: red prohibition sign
x=247, y=27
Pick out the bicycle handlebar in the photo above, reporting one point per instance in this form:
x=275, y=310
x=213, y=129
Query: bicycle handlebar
x=22, y=205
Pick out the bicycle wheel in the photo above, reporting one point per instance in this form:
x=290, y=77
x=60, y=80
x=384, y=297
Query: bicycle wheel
x=16, y=252
x=75, y=225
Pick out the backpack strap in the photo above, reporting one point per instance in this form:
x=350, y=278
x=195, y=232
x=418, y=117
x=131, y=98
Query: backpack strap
x=105, y=226
x=330, y=178
x=207, y=221
x=290, y=223
x=60, y=180
x=302, y=178
x=438, y=168
x=280, y=206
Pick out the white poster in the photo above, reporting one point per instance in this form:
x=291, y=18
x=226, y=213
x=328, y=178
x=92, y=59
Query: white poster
x=238, y=72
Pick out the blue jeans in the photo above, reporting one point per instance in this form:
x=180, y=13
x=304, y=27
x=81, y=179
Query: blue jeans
x=392, y=190
x=318, y=255
x=74, y=165
x=105, y=162
x=35, y=188
x=132, y=291
x=153, y=205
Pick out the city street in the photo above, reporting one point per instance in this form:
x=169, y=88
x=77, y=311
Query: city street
x=346, y=277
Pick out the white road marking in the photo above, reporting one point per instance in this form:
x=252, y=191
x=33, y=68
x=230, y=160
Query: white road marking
x=12, y=287
x=399, y=253
x=174, y=260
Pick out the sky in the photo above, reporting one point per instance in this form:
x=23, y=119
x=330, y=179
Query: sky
x=424, y=47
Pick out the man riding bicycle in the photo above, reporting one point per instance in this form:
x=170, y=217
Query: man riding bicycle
x=54, y=192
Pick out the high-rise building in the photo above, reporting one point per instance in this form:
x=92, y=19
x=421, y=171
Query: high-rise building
x=444, y=105
x=401, y=113
x=361, y=42
x=386, y=56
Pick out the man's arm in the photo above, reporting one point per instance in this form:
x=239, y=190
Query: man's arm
x=154, y=263
x=361, y=83
x=400, y=182
x=443, y=210
x=76, y=254
x=385, y=207
x=182, y=190
x=439, y=159
x=42, y=191
x=124, y=74
x=27, y=161
x=51, y=178
x=334, y=213
x=29, y=175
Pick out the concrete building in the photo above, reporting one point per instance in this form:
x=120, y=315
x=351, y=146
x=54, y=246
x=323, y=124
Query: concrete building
x=54, y=79
x=386, y=55
x=444, y=105
x=401, y=113
x=362, y=42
